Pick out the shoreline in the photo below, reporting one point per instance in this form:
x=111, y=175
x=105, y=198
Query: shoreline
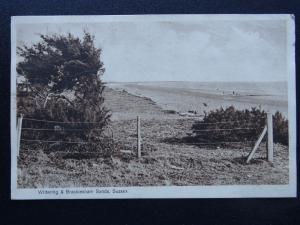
x=183, y=99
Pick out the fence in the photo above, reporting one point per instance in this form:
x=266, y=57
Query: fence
x=267, y=129
x=57, y=128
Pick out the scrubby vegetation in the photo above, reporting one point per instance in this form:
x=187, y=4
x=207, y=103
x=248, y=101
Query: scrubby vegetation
x=232, y=125
x=62, y=78
x=280, y=129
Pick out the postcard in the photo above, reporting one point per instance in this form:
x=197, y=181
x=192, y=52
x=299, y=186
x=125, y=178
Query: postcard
x=153, y=106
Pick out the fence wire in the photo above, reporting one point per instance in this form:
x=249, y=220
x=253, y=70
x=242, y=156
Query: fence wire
x=225, y=129
x=128, y=137
x=62, y=122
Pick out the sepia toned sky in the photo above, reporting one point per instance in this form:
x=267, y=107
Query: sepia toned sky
x=231, y=50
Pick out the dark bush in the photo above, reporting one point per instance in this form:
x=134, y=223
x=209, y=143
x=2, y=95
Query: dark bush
x=63, y=82
x=231, y=125
x=280, y=129
x=77, y=126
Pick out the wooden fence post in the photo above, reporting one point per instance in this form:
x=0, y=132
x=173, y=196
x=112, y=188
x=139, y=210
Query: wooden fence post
x=17, y=128
x=19, y=132
x=257, y=143
x=138, y=137
x=270, y=137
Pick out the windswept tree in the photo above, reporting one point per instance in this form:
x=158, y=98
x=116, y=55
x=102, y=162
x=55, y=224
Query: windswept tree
x=63, y=73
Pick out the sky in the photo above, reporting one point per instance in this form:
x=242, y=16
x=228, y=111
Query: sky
x=217, y=50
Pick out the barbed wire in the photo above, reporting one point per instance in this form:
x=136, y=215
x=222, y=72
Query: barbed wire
x=97, y=142
x=53, y=121
x=238, y=128
x=58, y=130
x=221, y=122
x=86, y=122
x=129, y=137
x=83, y=129
x=65, y=142
x=65, y=152
x=220, y=142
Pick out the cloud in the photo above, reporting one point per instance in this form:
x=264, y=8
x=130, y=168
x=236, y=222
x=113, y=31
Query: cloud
x=220, y=50
x=157, y=53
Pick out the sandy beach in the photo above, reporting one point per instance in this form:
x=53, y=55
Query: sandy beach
x=206, y=96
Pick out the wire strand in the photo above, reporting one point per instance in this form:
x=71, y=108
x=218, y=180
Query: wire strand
x=221, y=122
x=66, y=152
x=53, y=121
x=38, y=129
x=65, y=142
x=221, y=142
x=238, y=128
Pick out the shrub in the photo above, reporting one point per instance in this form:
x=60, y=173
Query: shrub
x=54, y=68
x=280, y=129
x=76, y=129
x=248, y=124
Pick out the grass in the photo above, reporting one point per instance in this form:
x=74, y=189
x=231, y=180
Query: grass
x=162, y=163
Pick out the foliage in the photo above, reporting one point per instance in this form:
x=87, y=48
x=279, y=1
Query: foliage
x=280, y=128
x=231, y=125
x=60, y=62
x=63, y=73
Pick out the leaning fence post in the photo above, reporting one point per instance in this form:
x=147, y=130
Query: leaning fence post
x=138, y=137
x=270, y=137
x=19, y=132
x=257, y=143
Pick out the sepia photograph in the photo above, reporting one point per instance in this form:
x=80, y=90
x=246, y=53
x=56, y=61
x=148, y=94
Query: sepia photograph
x=153, y=106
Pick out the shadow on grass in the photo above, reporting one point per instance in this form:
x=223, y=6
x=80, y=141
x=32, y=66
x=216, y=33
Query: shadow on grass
x=176, y=141
x=242, y=161
x=81, y=155
x=192, y=141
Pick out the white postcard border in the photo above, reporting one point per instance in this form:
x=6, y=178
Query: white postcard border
x=220, y=191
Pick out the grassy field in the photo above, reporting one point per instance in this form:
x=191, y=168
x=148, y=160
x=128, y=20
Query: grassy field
x=162, y=162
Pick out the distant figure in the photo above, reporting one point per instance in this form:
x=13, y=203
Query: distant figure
x=233, y=93
x=204, y=104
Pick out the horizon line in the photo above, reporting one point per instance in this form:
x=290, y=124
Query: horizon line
x=262, y=81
